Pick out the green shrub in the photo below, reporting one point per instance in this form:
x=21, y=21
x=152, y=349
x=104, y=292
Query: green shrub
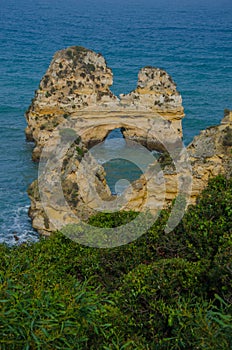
x=158, y=292
x=111, y=220
x=48, y=94
x=198, y=324
x=80, y=151
x=148, y=290
x=47, y=318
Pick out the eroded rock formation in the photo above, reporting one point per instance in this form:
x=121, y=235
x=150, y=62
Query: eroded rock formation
x=76, y=85
x=74, y=96
x=210, y=154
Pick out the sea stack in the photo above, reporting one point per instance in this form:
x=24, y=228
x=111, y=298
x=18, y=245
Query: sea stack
x=77, y=83
x=75, y=94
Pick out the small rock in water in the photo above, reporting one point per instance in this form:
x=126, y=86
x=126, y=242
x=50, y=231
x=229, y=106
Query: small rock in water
x=15, y=236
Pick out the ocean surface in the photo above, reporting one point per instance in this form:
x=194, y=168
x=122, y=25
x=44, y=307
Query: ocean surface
x=191, y=40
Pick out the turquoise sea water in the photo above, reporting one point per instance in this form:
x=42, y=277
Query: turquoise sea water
x=190, y=39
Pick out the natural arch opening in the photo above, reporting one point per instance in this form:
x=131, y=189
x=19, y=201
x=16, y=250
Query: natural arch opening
x=120, y=173
x=122, y=131
x=122, y=160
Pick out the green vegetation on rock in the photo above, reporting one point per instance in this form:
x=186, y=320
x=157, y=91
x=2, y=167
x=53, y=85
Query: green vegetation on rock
x=162, y=291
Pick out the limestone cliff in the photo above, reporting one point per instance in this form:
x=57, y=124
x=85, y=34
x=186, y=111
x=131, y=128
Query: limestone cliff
x=76, y=85
x=210, y=154
x=75, y=79
x=74, y=97
x=62, y=189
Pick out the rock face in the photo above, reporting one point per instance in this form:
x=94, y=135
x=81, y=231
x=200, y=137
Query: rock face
x=210, y=154
x=75, y=79
x=62, y=189
x=74, y=105
x=76, y=85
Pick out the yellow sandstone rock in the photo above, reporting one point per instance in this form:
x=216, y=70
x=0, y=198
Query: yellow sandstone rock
x=75, y=94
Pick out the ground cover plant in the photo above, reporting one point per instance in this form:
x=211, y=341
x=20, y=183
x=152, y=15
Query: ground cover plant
x=162, y=291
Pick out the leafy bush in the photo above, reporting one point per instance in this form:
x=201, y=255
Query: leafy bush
x=112, y=219
x=148, y=291
x=198, y=324
x=47, y=318
x=162, y=291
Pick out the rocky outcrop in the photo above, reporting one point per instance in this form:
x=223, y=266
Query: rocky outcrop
x=61, y=189
x=210, y=154
x=76, y=85
x=75, y=79
x=74, y=109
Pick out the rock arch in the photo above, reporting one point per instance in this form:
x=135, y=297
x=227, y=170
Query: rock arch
x=77, y=86
x=75, y=92
x=152, y=131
